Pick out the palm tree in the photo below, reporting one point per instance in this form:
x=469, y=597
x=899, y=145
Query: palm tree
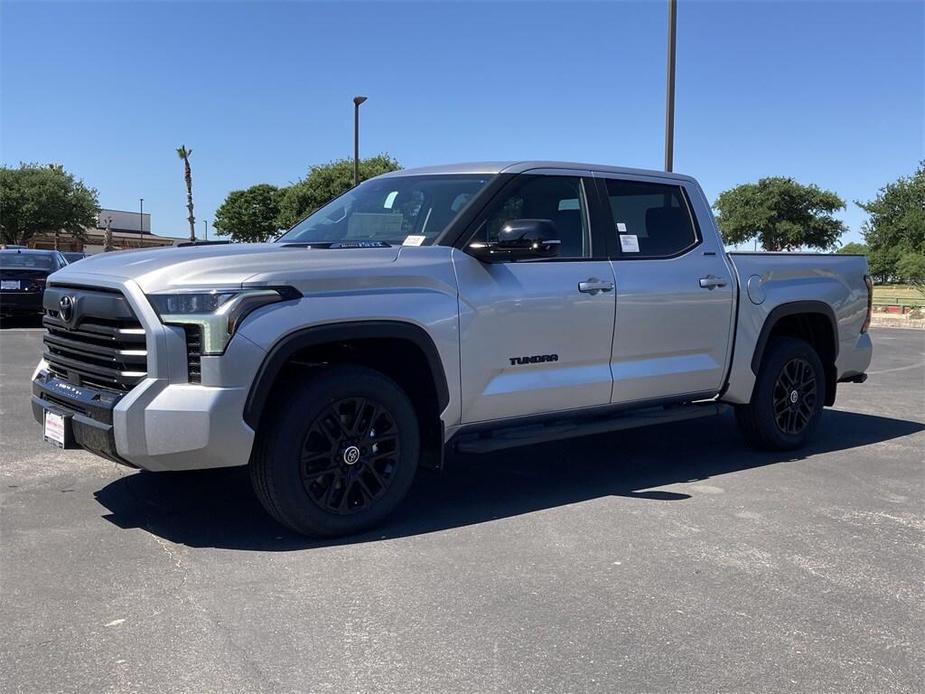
x=107, y=237
x=184, y=154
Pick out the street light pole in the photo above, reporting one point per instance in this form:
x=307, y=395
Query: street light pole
x=141, y=222
x=357, y=100
x=669, y=98
x=205, y=225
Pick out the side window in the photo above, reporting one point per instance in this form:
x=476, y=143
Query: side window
x=559, y=199
x=651, y=220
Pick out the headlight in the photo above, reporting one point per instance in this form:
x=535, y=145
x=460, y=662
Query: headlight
x=217, y=313
x=186, y=304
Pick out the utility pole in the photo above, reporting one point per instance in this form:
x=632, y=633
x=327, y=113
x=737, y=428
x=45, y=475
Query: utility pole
x=357, y=100
x=205, y=226
x=141, y=222
x=669, y=98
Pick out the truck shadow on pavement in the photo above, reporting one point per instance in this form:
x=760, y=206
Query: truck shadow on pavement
x=217, y=508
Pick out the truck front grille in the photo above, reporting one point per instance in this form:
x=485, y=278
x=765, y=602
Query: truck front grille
x=94, y=339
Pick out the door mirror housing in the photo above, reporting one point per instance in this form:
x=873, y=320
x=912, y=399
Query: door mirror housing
x=520, y=239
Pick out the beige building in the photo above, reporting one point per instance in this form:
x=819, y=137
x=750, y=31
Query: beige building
x=129, y=230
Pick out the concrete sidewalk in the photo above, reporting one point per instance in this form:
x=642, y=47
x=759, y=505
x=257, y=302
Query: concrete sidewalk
x=884, y=320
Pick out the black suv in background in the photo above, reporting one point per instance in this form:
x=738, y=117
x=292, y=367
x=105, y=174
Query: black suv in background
x=23, y=272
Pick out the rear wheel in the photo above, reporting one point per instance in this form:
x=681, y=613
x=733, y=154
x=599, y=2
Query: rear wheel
x=788, y=397
x=339, y=454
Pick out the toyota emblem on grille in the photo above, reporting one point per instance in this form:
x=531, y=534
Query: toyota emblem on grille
x=66, y=308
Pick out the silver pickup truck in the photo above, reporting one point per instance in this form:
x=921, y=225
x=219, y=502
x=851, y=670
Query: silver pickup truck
x=479, y=306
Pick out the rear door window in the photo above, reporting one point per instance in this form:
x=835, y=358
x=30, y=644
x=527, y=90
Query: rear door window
x=651, y=220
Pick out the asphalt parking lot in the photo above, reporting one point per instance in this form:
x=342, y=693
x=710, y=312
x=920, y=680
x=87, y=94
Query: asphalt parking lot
x=672, y=559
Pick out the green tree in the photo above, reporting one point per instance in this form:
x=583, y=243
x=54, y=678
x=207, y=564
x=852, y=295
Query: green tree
x=782, y=214
x=184, y=154
x=896, y=228
x=250, y=215
x=325, y=182
x=36, y=199
x=853, y=248
x=911, y=269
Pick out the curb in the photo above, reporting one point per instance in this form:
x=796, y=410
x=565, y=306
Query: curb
x=896, y=322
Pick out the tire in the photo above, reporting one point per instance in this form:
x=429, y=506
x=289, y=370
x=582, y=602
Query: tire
x=314, y=468
x=774, y=420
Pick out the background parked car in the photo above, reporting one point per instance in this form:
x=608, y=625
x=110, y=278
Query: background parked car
x=73, y=256
x=23, y=273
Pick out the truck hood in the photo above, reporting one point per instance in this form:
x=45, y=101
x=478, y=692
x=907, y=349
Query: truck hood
x=223, y=266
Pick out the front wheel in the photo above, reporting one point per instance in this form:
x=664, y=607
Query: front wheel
x=787, y=400
x=339, y=454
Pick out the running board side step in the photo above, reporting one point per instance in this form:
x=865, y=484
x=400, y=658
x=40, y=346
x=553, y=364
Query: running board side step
x=526, y=435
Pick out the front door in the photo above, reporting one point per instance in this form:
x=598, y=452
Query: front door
x=674, y=293
x=535, y=336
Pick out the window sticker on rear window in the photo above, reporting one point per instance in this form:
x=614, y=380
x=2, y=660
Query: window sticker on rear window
x=629, y=243
x=621, y=227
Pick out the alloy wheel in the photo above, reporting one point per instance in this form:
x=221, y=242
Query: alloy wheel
x=349, y=455
x=794, y=396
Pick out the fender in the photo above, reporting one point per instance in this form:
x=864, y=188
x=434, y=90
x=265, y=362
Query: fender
x=791, y=309
x=291, y=343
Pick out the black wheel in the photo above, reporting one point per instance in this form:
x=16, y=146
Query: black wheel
x=339, y=454
x=788, y=397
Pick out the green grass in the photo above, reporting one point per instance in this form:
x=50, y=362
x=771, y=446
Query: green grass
x=897, y=293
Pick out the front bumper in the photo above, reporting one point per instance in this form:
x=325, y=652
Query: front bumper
x=157, y=426
x=90, y=410
x=164, y=422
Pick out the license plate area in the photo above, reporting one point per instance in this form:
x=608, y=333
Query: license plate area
x=57, y=428
x=13, y=285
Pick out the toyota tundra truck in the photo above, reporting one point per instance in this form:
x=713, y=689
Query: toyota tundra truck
x=478, y=307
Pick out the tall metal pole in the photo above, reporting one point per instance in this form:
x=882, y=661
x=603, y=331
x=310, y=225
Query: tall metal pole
x=205, y=225
x=357, y=100
x=669, y=99
x=141, y=222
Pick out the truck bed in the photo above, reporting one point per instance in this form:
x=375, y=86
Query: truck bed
x=833, y=283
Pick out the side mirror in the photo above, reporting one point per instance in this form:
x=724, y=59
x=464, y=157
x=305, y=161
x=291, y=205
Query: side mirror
x=520, y=239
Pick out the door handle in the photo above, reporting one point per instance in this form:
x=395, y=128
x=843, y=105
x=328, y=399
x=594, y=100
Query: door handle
x=593, y=285
x=711, y=282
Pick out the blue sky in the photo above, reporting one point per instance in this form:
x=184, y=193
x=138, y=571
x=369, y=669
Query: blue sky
x=831, y=93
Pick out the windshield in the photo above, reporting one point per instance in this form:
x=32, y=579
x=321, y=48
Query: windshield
x=410, y=210
x=33, y=261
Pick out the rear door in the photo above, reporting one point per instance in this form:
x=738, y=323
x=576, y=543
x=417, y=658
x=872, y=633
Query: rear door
x=535, y=336
x=674, y=292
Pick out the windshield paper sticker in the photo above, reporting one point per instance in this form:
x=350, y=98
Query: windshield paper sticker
x=629, y=243
x=621, y=227
x=413, y=240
